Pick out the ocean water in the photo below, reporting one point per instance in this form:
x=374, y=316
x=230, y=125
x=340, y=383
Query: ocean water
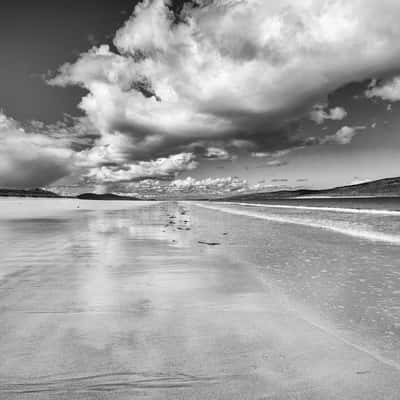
x=337, y=265
x=377, y=203
x=377, y=220
x=124, y=300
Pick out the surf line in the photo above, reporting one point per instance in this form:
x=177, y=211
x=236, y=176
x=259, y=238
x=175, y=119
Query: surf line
x=367, y=235
x=314, y=208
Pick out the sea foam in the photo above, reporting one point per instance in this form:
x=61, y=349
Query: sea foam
x=323, y=208
x=334, y=226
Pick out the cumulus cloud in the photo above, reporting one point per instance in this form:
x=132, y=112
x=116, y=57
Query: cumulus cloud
x=387, y=90
x=228, y=71
x=188, y=187
x=38, y=155
x=343, y=136
x=29, y=159
x=162, y=168
x=319, y=115
x=226, y=78
x=210, y=185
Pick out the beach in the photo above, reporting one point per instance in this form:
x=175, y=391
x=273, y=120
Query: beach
x=198, y=300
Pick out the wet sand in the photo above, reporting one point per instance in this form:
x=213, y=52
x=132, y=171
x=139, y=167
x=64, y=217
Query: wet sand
x=173, y=301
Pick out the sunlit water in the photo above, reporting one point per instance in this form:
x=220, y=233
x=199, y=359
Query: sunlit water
x=122, y=300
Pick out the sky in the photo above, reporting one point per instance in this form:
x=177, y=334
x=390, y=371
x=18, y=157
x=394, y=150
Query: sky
x=162, y=98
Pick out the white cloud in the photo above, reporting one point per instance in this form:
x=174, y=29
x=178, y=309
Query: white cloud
x=163, y=167
x=274, y=159
x=319, y=115
x=357, y=181
x=30, y=159
x=275, y=154
x=229, y=79
x=388, y=90
x=276, y=163
x=215, y=153
x=188, y=187
x=343, y=136
x=209, y=185
x=233, y=70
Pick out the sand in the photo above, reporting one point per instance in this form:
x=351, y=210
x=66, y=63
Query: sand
x=129, y=301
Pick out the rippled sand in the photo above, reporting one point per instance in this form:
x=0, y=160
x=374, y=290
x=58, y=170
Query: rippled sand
x=118, y=300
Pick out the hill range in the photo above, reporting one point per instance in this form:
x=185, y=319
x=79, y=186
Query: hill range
x=388, y=187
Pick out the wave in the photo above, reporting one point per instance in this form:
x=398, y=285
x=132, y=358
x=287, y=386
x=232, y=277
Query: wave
x=357, y=232
x=323, y=208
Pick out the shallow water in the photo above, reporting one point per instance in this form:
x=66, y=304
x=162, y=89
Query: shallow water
x=339, y=271
x=363, y=203
x=377, y=222
x=119, y=300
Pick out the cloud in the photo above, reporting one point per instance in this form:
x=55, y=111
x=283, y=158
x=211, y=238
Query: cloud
x=274, y=158
x=224, y=79
x=357, y=180
x=161, y=168
x=276, y=163
x=188, y=187
x=76, y=133
x=343, y=136
x=319, y=115
x=214, y=153
x=210, y=185
x=388, y=90
x=228, y=71
x=275, y=154
x=39, y=155
x=29, y=159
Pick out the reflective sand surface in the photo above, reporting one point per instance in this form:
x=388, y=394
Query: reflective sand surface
x=117, y=300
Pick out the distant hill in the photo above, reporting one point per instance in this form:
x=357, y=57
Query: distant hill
x=389, y=187
x=48, y=194
x=27, y=193
x=106, y=196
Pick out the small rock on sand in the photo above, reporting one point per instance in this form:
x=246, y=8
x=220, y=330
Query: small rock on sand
x=209, y=243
